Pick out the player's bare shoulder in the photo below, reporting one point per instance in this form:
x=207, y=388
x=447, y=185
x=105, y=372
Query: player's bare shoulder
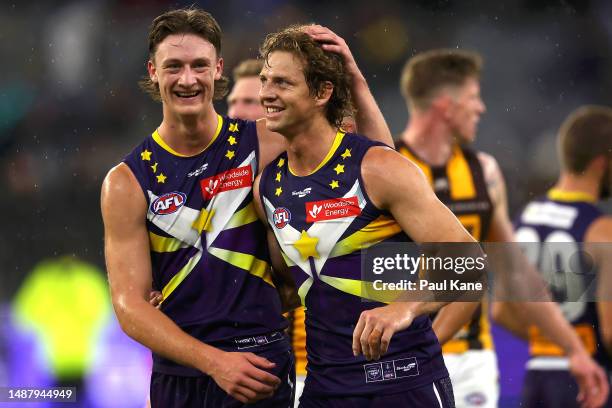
x=600, y=230
x=121, y=193
x=385, y=172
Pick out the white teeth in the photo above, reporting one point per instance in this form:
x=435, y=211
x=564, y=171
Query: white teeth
x=187, y=95
x=272, y=110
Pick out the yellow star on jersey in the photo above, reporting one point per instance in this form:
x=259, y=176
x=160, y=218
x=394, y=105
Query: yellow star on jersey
x=232, y=140
x=204, y=221
x=154, y=168
x=281, y=163
x=161, y=178
x=334, y=184
x=339, y=168
x=347, y=153
x=233, y=127
x=146, y=155
x=230, y=154
x=278, y=176
x=307, y=246
x=278, y=191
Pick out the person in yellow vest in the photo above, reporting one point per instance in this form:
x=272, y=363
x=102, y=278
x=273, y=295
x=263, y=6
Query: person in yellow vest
x=442, y=92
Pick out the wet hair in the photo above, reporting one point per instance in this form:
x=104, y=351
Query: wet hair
x=190, y=20
x=319, y=67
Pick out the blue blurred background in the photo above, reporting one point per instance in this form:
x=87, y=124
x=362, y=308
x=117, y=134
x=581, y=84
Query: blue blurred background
x=70, y=109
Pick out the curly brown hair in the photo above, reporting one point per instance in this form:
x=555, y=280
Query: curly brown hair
x=319, y=67
x=190, y=20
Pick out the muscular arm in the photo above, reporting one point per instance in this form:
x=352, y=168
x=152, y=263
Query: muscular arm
x=126, y=247
x=405, y=193
x=598, y=238
x=451, y=318
x=282, y=276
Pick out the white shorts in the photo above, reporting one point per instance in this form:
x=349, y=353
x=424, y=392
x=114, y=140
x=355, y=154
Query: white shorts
x=299, y=388
x=475, y=378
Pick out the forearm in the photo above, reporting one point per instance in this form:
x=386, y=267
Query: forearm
x=547, y=316
x=368, y=117
x=452, y=318
x=153, y=329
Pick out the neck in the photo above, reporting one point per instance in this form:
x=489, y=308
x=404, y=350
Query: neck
x=189, y=135
x=309, y=146
x=429, y=137
x=578, y=183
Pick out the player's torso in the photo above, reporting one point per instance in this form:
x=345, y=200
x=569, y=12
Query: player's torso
x=553, y=230
x=322, y=221
x=461, y=186
x=208, y=250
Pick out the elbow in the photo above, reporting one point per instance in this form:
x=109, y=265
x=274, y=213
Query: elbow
x=125, y=311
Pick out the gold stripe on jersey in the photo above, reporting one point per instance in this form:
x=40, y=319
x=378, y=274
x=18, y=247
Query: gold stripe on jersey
x=337, y=140
x=159, y=243
x=243, y=217
x=248, y=262
x=461, y=345
x=424, y=167
x=570, y=196
x=158, y=139
x=540, y=345
x=362, y=289
x=376, y=231
x=180, y=276
x=459, y=175
x=298, y=340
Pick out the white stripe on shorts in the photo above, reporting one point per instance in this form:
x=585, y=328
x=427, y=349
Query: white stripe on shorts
x=437, y=395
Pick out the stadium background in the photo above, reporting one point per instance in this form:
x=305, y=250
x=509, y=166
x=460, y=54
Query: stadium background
x=70, y=109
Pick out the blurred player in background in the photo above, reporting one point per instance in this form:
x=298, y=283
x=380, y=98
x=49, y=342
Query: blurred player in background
x=218, y=336
x=442, y=93
x=243, y=100
x=559, y=226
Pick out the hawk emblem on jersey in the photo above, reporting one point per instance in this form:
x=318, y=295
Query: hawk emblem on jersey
x=168, y=203
x=282, y=217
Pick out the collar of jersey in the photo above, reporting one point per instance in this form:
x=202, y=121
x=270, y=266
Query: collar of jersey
x=569, y=196
x=337, y=140
x=158, y=139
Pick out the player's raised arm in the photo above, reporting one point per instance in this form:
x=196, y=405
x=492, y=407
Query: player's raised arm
x=368, y=117
x=129, y=271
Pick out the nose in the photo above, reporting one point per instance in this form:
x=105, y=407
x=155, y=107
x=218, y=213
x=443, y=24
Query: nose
x=187, y=78
x=482, y=108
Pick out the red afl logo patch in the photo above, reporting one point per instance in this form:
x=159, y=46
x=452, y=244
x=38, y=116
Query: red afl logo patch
x=281, y=217
x=168, y=203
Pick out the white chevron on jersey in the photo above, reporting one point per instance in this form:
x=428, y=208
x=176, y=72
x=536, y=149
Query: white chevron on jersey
x=226, y=203
x=328, y=232
x=286, y=237
x=178, y=224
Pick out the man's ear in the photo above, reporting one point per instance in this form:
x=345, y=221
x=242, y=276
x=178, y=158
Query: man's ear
x=443, y=105
x=324, y=93
x=152, y=71
x=219, y=69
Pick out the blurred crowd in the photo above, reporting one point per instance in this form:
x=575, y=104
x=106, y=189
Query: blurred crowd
x=70, y=107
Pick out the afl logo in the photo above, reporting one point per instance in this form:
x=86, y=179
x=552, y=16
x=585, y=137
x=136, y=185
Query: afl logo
x=168, y=203
x=281, y=217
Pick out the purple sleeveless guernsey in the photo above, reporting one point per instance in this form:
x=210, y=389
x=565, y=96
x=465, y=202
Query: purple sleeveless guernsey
x=321, y=222
x=561, y=220
x=208, y=250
